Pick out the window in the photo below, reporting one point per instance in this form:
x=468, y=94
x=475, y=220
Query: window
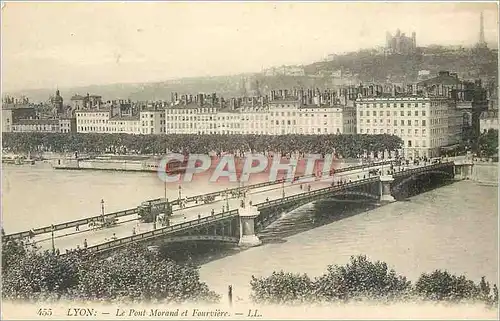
x=402, y=122
x=423, y=112
x=402, y=113
x=409, y=113
x=416, y=112
x=416, y=122
x=381, y=113
x=424, y=132
x=361, y=113
x=409, y=122
x=388, y=113
x=423, y=122
x=395, y=122
x=409, y=143
x=402, y=105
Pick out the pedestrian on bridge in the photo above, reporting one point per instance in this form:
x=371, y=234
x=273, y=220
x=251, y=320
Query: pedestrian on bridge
x=85, y=243
x=133, y=230
x=301, y=186
x=309, y=187
x=199, y=217
x=77, y=227
x=213, y=212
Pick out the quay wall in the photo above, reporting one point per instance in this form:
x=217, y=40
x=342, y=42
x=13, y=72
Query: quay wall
x=485, y=173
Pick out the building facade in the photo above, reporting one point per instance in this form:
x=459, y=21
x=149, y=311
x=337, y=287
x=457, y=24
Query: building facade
x=108, y=121
x=13, y=113
x=278, y=117
x=425, y=124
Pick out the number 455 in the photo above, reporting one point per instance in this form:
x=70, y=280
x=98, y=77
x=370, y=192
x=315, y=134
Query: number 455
x=45, y=312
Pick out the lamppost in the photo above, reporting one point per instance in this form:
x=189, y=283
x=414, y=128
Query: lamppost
x=283, y=187
x=180, y=193
x=52, y=237
x=227, y=200
x=102, y=210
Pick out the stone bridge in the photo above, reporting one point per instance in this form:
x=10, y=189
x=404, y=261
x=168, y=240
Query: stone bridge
x=242, y=225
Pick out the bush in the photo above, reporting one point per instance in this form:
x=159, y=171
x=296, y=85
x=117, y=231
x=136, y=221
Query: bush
x=361, y=279
x=35, y=275
x=280, y=288
x=443, y=286
x=132, y=274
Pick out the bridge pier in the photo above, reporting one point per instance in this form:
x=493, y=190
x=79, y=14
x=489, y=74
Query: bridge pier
x=385, y=188
x=463, y=170
x=247, y=215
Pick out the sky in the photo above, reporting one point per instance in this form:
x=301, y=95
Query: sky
x=56, y=44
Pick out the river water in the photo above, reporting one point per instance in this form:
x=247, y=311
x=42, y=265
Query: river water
x=454, y=227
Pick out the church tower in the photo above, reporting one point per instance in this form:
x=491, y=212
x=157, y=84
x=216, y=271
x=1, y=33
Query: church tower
x=57, y=103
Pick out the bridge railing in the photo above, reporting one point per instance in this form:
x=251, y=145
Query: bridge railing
x=421, y=169
x=159, y=201
x=317, y=192
x=61, y=226
x=161, y=231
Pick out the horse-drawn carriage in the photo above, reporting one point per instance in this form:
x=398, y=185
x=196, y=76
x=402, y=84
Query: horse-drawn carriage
x=208, y=199
x=103, y=223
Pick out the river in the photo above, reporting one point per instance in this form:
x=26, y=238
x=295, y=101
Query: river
x=454, y=227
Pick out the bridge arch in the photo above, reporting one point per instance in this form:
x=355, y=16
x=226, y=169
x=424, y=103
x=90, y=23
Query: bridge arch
x=415, y=176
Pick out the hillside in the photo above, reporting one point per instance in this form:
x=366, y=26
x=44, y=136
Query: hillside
x=363, y=65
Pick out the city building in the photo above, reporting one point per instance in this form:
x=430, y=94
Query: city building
x=285, y=71
x=400, y=43
x=429, y=116
x=14, y=110
x=86, y=102
x=425, y=124
x=284, y=112
x=37, y=125
x=121, y=116
x=488, y=120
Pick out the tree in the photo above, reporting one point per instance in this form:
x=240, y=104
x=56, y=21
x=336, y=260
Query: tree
x=443, y=286
x=282, y=288
x=361, y=278
x=488, y=143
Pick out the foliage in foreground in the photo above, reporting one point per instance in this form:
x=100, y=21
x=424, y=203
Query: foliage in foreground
x=361, y=279
x=134, y=274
